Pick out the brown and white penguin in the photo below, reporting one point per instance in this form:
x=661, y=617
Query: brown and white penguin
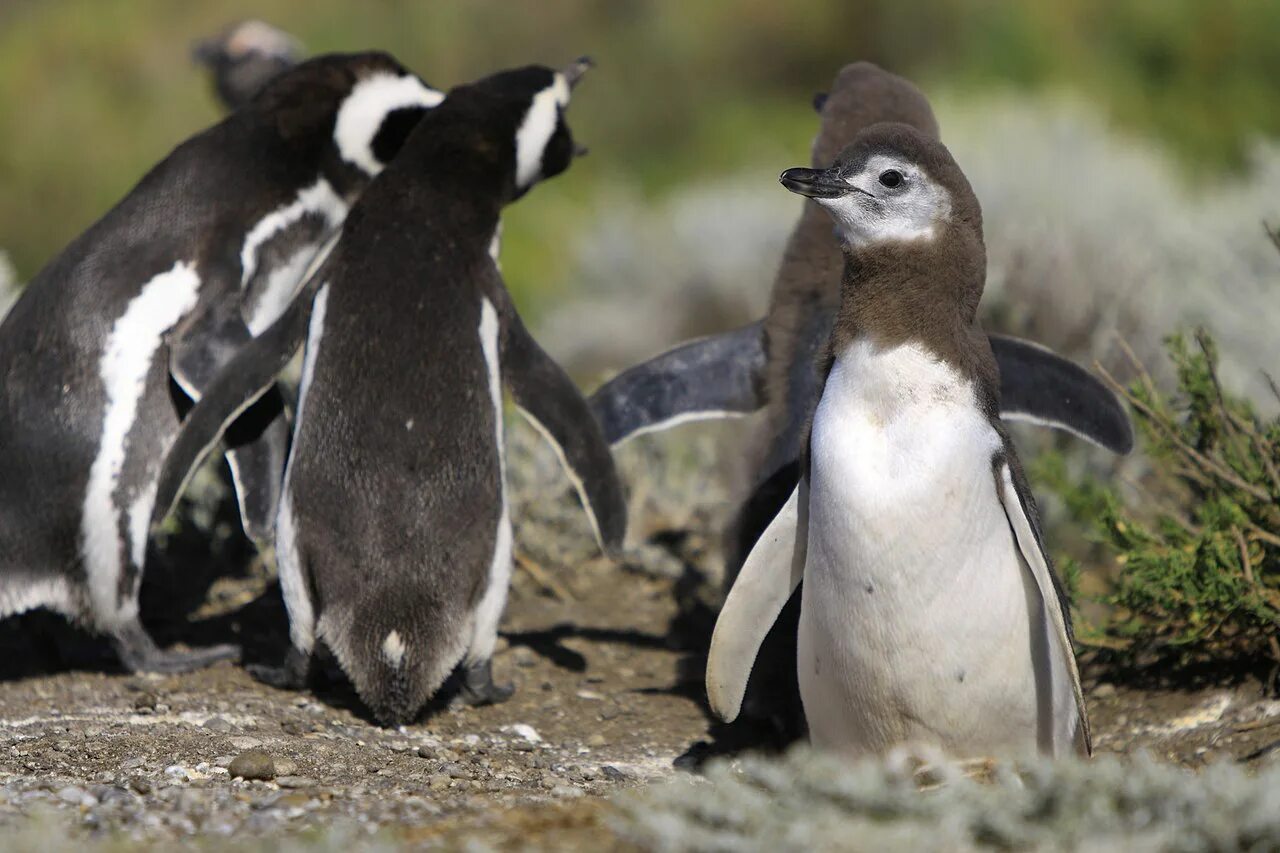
x=930, y=611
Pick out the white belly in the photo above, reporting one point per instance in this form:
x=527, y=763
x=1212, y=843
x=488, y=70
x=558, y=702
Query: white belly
x=917, y=611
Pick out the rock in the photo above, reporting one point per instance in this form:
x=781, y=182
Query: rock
x=438, y=782
x=455, y=771
x=132, y=763
x=597, y=740
x=246, y=742
x=1105, y=690
x=613, y=773
x=525, y=731
x=218, y=724
x=223, y=761
x=145, y=701
x=77, y=796
x=524, y=656
x=426, y=752
x=253, y=764
x=286, y=766
x=295, y=781
x=140, y=785
x=567, y=791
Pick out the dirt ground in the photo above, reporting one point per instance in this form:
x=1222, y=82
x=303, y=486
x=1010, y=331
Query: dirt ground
x=607, y=662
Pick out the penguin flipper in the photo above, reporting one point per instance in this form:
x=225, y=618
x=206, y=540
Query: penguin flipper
x=769, y=576
x=258, y=441
x=712, y=377
x=1014, y=497
x=249, y=375
x=1039, y=386
x=552, y=403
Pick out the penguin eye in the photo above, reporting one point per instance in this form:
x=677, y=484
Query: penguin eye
x=891, y=178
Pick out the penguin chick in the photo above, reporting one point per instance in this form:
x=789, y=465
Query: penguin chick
x=929, y=613
x=394, y=535
x=244, y=57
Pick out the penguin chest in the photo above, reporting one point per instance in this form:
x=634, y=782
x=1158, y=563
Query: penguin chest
x=915, y=611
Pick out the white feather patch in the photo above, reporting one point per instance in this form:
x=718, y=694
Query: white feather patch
x=319, y=198
x=536, y=130
x=489, y=612
x=297, y=599
x=370, y=102
x=135, y=338
x=393, y=649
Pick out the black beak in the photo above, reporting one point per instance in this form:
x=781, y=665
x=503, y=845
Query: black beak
x=206, y=51
x=814, y=183
x=576, y=69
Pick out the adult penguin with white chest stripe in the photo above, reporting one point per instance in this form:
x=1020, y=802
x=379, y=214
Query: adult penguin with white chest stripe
x=930, y=613
x=206, y=250
x=394, y=538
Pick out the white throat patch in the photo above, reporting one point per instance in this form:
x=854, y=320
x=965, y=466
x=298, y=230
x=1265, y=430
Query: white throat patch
x=536, y=130
x=370, y=102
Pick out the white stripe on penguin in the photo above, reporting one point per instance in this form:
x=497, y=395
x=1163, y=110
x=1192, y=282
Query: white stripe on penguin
x=131, y=348
x=370, y=102
x=297, y=599
x=489, y=613
x=536, y=129
x=319, y=198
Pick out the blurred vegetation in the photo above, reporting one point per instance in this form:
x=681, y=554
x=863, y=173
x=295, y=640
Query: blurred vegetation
x=92, y=92
x=1199, y=569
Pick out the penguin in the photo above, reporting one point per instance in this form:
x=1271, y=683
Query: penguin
x=394, y=535
x=772, y=364
x=126, y=326
x=930, y=612
x=244, y=57
x=769, y=364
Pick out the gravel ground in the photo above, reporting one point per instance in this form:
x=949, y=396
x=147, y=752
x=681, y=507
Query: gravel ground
x=606, y=659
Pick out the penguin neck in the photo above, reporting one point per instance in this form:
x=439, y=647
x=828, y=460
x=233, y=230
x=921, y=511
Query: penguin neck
x=914, y=292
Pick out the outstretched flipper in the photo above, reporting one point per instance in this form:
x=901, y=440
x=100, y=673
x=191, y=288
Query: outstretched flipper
x=249, y=375
x=713, y=377
x=258, y=441
x=1039, y=386
x=553, y=404
x=771, y=573
x=1061, y=697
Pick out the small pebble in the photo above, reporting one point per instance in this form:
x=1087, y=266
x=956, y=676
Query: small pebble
x=243, y=743
x=613, y=773
x=145, y=701
x=597, y=741
x=1105, y=690
x=218, y=724
x=295, y=781
x=253, y=764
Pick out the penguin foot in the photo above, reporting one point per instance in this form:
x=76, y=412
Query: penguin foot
x=139, y=653
x=292, y=674
x=478, y=687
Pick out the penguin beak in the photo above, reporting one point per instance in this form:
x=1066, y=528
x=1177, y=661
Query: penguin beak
x=573, y=73
x=206, y=51
x=815, y=183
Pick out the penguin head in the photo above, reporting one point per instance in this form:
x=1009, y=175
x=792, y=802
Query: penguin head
x=351, y=113
x=861, y=95
x=512, y=124
x=243, y=57
x=892, y=184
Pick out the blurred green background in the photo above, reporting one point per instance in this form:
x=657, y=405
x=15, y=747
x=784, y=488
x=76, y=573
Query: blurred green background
x=92, y=92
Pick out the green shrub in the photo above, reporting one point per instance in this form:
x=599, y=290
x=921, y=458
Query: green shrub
x=1199, y=558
